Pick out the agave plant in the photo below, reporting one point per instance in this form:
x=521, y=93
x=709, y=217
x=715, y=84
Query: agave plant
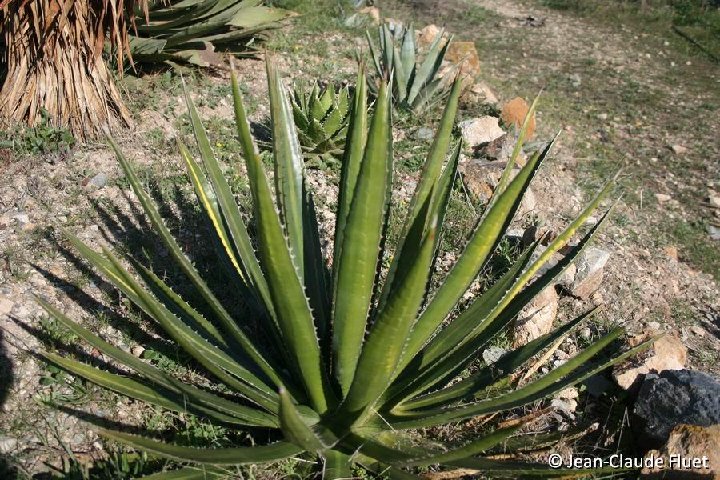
x=191, y=31
x=416, y=80
x=349, y=363
x=321, y=118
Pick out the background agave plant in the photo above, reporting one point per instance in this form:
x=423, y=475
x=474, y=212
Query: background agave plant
x=347, y=364
x=416, y=80
x=322, y=116
x=191, y=31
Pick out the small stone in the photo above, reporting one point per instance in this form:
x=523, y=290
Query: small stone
x=477, y=131
x=575, y=80
x=714, y=201
x=137, y=350
x=493, y=354
x=536, y=319
x=667, y=353
x=424, y=133
x=98, y=181
x=566, y=401
x=586, y=333
x=713, y=231
x=513, y=113
x=602, y=116
x=22, y=218
x=589, y=274
x=480, y=93
x=7, y=444
x=679, y=149
x=673, y=398
x=6, y=306
x=528, y=203
x=662, y=197
x=671, y=252
x=698, y=330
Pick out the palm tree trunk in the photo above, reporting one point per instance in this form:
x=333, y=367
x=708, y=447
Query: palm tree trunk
x=53, y=59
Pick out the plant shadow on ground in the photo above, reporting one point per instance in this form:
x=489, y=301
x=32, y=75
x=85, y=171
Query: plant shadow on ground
x=7, y=377
x=112, y=317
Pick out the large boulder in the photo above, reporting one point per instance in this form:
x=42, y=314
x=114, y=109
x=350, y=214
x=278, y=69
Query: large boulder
x=675, y=397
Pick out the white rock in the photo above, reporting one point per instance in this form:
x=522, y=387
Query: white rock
x=6, y=306
x=493, y=354
x=537, y=318
x=662, y=197
x=7, y=444
x=589, y=272
x=477, y=131
x=679, y=149
x=22, y=218
x=482, y=92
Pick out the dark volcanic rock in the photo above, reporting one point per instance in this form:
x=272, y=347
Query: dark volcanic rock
x=672, y=398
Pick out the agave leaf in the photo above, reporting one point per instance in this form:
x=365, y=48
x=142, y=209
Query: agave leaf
x=352, y=160
x=189, y=473
x=401, y=80
x=288, y=167
x=158, y=397
x=429, y=67
x=294, y=428
x=148, y=371
x=406, y=60
x=317, y=274
x=228, y=206
x=483, y=241
x=195, y=31
x=431, y=171
x=217, y=456
x=488, y=375
x=546, y=385
x=216, y=361
x=473, y=448
x=361, y=241
x=222, y=315
x=337, y=465
x=178, y=306
x=292, y=309
x=417, y=376
x=384, y=346
x=455, y=345
x=374, y=53
x=403, y=456
x=253, y=16
x=220, y=237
